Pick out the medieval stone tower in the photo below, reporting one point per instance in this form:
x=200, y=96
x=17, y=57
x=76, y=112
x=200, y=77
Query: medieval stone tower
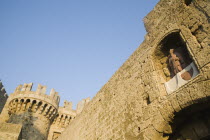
x=3, y=96
x=34, y=110
x=34, y=115
x=161, y=92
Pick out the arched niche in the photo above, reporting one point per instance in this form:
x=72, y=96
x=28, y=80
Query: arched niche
x=173, y=62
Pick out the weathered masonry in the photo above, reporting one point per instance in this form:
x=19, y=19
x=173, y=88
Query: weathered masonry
x=33, y=115
x=3, y=96
x=162, y=91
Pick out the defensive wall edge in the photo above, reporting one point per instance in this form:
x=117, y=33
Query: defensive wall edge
x=134, y=103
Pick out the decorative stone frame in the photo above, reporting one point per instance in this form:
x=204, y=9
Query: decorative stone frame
x=160, y=62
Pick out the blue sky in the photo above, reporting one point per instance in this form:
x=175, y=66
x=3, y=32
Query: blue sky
x=74, y=46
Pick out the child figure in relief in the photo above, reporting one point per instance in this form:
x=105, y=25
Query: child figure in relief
x=177, y=64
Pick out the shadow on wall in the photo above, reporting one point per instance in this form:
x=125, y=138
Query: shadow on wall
x=29, y=132
x=192, y=123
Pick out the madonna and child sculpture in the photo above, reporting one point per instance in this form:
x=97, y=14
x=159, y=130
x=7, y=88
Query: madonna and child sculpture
x=177, y=64
x=179, y=71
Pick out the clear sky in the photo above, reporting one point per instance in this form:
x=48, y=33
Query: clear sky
x=73, y=46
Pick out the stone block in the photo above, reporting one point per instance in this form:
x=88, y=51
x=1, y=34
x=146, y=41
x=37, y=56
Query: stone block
x=152, y=134
x=183, y=98
x=175, y=104
x=196, y=93
x=166, y=110
x=10, y=131
x=160, y=124
x=134, y=103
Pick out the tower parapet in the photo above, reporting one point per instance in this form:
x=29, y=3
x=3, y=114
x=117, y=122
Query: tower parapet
x=3, y=96
x=82, y=104
x=33, y=109
x=65, y=115
x=24, y=91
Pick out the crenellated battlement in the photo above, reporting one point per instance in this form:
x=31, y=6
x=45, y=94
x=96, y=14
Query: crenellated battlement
x=2, y=90
x=39, y=108
x=38, y=112
x=82, y=104
x=24, y=92
x=65, y=115
x=3, y=96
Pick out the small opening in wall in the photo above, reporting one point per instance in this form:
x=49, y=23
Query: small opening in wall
x=139, y=129
x=28, y=104
x=45, y=106
x=28, y=100
x=39, y=105
x=22, y=100
x=32, y=107
x=148, y=100
x=48, y=111
x=33, y=102
x=197, y=32
x=188, y=2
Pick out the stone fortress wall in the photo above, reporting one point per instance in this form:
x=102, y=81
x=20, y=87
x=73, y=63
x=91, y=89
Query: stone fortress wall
x=36, y=115
x=34, y=110
x=162, y=91
x=3, y=96
x=64, y=117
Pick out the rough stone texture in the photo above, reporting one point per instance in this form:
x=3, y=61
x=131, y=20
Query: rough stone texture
x=38, y=114
x=10, y=131
x=34, y=110
x=3, y=96
x=134, y=104
x=82, y=104
x=65, y=115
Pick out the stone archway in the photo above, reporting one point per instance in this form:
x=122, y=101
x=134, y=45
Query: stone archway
x=192, y=123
